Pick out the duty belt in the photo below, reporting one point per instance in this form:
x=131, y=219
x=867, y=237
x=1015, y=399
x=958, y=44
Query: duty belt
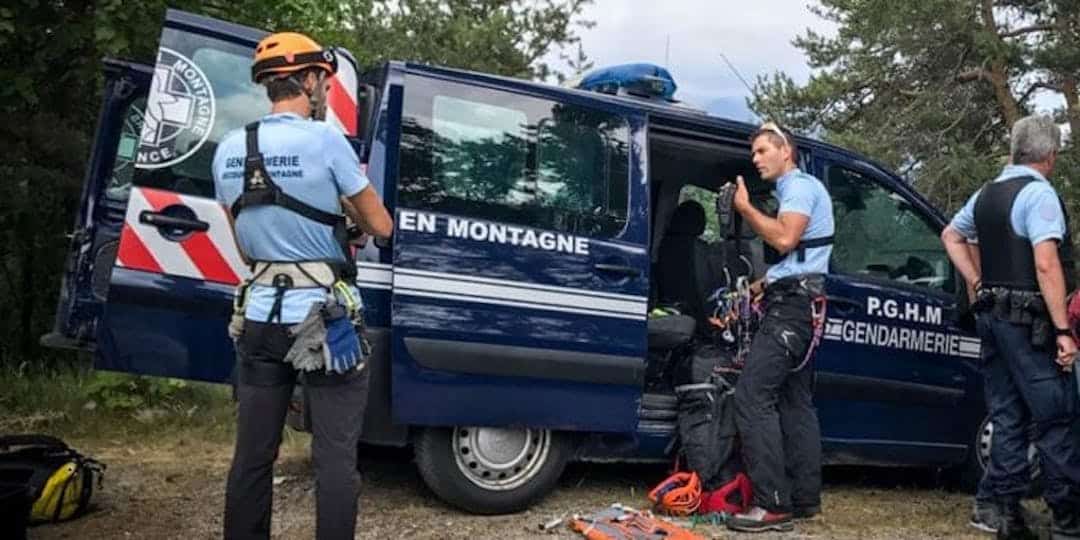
x=1017, y=307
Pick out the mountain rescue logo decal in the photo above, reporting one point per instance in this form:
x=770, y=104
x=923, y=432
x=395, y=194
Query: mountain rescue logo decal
x=179, y=112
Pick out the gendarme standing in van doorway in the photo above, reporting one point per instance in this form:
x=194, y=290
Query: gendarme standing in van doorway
x=774, y=406
x=284, y=180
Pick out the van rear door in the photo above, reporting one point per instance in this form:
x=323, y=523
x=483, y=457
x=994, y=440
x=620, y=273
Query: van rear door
x=96, y=233
x=520, y=271
x=169, y=292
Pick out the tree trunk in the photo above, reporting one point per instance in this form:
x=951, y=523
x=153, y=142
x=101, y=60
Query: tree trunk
x=999, y=75
x=1072, y=104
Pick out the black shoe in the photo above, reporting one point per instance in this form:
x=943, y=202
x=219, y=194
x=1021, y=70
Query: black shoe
x=758, y=519
x=1065, y=528
x=986, y=517
x=805, y=512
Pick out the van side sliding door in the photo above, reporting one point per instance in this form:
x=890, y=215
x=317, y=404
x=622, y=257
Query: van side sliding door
x=520, y=277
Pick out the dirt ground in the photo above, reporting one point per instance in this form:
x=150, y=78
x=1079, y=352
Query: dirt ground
x=175, y=489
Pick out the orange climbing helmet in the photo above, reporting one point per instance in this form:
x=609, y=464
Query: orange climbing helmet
x=678, y=495
x=289, y=52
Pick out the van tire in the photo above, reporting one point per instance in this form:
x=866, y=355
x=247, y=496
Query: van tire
x=971, y=472
x=442, y=465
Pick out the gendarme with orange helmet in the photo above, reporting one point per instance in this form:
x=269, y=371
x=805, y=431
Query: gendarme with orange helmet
x=289, y=55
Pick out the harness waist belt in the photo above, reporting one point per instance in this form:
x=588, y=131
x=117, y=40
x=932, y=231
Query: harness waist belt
x=305, y=274
x=808, y=285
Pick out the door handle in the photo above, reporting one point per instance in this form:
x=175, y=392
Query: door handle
x=175, y=223
x=844, y=304
x=619, y=269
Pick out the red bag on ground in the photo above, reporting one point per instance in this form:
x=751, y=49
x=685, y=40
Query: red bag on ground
x=731, y=498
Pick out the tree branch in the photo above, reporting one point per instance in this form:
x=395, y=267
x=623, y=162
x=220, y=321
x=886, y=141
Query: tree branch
x=1036, y=86
x=1027, y=30
x=998, y=73
x=970, y=75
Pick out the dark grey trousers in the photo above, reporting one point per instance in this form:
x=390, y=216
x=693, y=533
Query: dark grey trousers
x=264, y=389
x=774, y=410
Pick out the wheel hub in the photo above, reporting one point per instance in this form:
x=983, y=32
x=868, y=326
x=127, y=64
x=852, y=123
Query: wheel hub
x=500, y=458
x=983, y=444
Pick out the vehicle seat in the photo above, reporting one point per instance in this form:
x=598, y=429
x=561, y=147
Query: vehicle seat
x=682, y=266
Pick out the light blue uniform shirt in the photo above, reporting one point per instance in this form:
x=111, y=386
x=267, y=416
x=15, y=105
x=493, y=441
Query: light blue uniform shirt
x=1036, y=213
x=804, y=194
x=311, y=161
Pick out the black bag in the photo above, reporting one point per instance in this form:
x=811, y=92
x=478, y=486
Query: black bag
x=15, y=502
x=57, y=480
x=706, y=416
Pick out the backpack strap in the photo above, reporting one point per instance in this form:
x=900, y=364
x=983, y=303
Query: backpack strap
x=32, y=439
x=260, y=189
x=800, y=249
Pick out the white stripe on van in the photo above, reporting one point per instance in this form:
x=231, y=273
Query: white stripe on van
x=522, y=285
x=513, y=303
x=499, y=292
x=485, y=291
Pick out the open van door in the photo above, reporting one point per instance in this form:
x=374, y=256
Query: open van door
x=175, y=264
x=95, y=236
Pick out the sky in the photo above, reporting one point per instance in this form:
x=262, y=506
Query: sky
x=755, y=36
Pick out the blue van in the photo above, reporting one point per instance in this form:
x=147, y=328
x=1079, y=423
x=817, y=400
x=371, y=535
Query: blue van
x=534, y=233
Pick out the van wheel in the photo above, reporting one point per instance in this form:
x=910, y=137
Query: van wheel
x=979, y=459
x=484, y=470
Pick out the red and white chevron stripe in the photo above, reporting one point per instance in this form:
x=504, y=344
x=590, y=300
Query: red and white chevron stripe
x=341, y=99
x=209, y=255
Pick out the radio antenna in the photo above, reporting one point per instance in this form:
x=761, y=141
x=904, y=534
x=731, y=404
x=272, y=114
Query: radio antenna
x=738, y=75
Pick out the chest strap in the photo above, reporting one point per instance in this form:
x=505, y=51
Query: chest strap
x=800, y=249
x=261, y=190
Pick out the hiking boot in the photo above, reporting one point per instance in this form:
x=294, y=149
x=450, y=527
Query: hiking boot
x=758, y=519
x=801, y=513
x=986, y=517
x=1013, y=527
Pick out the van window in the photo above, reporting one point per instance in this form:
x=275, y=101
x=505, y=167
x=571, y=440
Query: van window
x=181, y=130
x=512, y=158
x=880, y=234
x=707, y=199
x=119, y=185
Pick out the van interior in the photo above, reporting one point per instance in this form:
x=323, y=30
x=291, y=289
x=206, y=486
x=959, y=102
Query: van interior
x=691, y=257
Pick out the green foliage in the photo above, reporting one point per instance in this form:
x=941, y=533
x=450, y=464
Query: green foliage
x=50, y=95
x=931, y=88
x=123, y=392
x=83, y=403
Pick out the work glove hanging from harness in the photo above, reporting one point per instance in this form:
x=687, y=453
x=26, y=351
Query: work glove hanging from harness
x=327, y=339
x=341, y=347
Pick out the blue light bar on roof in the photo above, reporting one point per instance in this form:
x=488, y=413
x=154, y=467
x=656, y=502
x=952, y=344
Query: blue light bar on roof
x=647, y=80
